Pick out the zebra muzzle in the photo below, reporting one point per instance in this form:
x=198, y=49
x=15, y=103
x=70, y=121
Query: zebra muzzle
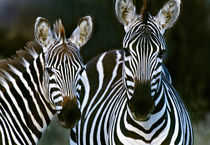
x=70, y=113
x=141, y=104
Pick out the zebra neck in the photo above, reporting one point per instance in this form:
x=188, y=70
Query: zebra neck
x=25, y=112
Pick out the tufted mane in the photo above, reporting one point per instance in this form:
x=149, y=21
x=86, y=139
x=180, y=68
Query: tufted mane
x=31, y=52
x=145, y=11
x=59, y=29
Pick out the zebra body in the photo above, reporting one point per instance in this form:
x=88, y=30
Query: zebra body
x=25, y=112
x=127, y=95
x=30, y=93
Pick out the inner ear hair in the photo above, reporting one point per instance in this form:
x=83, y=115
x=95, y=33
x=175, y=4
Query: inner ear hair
x=84, y=28
x=125, y=11
x=83, y=32
x=168, y=15
x=42, y=31
x=85, y=25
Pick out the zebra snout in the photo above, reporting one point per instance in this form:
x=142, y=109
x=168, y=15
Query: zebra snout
x=70, y=113
x=142, y=103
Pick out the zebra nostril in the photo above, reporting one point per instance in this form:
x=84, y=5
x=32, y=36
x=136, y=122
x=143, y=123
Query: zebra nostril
x=141, y=109
x=142, y=103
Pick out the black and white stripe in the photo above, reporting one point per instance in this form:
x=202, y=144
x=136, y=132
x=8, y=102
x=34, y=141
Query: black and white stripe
x=63, y=74
x=25, y=112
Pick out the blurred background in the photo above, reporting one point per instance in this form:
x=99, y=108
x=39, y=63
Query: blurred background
x=187, y=58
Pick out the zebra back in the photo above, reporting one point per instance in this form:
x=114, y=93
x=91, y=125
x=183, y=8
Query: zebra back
x=25, y=112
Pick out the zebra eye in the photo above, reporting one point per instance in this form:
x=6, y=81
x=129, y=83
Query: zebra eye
x=161, y=53
x=82, y=69
x=127, y=52
x=49, y=71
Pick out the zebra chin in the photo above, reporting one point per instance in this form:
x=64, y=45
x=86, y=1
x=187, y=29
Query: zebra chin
x=140, y=117
x=70, y=113
x=142, y=104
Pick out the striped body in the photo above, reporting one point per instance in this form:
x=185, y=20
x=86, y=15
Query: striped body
x=25, y=112
x=106, y=120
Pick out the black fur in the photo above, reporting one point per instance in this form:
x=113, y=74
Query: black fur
x=145, y=11
x=142, y=103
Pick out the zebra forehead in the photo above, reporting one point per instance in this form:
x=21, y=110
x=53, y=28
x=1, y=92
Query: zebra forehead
x=150, y=26
x=63, y=49
x=142, y=32
x=63, y=57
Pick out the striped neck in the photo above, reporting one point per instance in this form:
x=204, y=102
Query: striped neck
x=26, y=112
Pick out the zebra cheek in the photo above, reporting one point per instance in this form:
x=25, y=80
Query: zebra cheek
x=70, y=114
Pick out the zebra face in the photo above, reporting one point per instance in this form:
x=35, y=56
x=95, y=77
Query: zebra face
x=63, y=68
x=144, y=47
x=63, y=65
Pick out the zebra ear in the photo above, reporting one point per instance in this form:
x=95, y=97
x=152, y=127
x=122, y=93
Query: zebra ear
x=83, y=31
x=168, y=15
x=42, y=32
x=125, y=11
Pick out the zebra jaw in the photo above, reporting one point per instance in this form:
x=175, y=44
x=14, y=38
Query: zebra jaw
x=70, y=113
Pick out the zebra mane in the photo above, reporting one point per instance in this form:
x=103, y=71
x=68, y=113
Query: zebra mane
x=29, y=54
x=59, y=29
x=145, y=11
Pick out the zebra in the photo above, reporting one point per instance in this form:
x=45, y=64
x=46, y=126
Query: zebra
x=127, y=96
x=40, y=81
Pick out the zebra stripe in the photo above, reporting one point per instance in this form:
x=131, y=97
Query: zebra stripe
x=109, y=115
x=25, y=112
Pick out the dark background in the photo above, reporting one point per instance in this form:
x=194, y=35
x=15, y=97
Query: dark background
x=188, y=42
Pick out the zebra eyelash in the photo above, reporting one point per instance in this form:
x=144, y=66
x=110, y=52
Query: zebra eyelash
x=49, y=71
x=127, y=52
x=161, y=53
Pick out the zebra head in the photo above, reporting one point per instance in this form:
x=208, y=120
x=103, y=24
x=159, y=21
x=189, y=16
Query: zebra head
x=63, y=65
x=144, y=48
